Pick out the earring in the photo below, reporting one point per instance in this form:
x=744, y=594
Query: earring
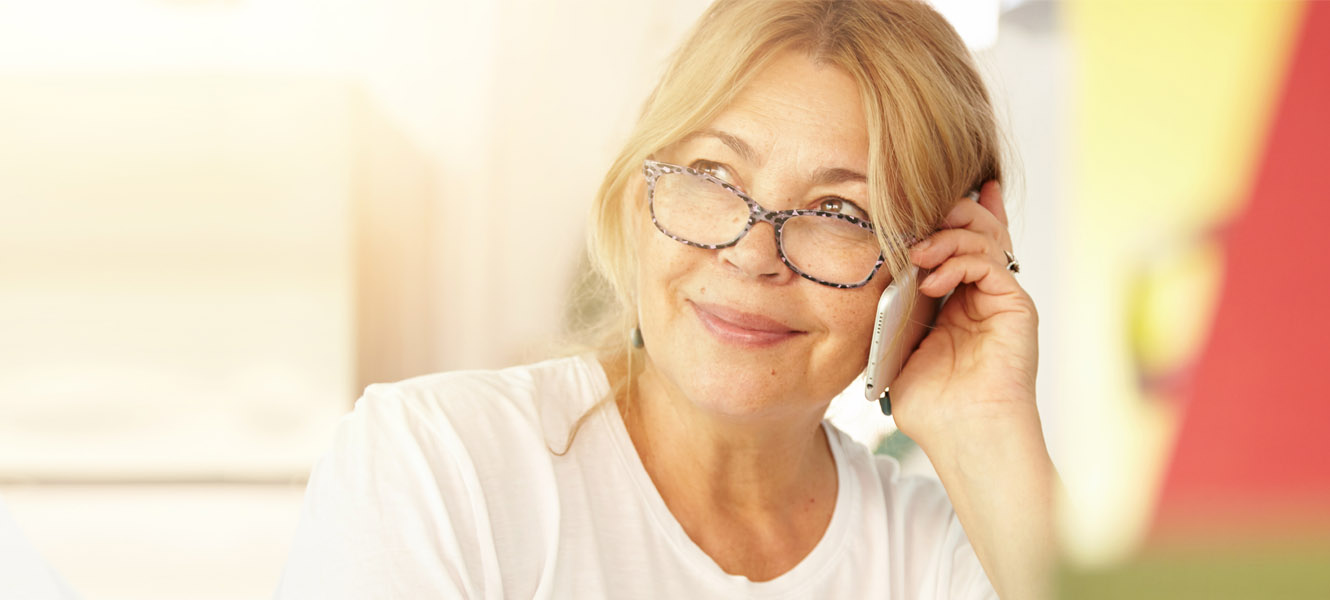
x=635, y=337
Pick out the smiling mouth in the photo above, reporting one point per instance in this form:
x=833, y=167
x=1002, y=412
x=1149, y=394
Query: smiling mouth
x=740, y=328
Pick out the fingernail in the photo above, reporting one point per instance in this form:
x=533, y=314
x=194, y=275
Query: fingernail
x=928, y=280
x=923, y=244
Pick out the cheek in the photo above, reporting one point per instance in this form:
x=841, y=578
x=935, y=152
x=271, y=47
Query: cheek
x=852, y=323
x=849, y=318
x=663, y=265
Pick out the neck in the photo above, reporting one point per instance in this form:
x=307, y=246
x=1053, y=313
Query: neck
x=764, y=463
x=754, y=491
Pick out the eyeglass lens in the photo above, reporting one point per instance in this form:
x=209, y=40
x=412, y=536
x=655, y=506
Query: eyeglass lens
x=825, y=248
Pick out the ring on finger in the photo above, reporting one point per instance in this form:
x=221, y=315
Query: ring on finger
x=1013, y=265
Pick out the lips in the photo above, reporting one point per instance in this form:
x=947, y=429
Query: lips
x=741, y=328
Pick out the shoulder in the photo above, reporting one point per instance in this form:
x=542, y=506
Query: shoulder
x=929, y=554
x=468, y=433
x=922, y=520
x=923, y=498
x=524, y=401
x=427, y=476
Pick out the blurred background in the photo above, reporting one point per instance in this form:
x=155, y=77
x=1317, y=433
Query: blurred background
x=221, y=219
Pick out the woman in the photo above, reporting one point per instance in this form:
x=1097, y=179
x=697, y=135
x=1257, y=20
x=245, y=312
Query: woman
x=688, y=457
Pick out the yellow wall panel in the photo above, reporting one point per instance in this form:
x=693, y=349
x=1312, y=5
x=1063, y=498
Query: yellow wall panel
x=1171, y=103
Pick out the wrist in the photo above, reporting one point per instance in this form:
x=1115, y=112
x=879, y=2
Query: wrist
x=991, y=420
x=988, y=438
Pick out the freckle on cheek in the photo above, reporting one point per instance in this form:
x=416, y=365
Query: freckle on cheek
x=773, y=371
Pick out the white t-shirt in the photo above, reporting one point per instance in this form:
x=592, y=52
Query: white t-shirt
x=444, y=486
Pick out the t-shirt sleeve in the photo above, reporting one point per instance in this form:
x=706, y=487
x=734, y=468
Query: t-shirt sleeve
x=939, y=562
x=964, y=576
x=393, y=511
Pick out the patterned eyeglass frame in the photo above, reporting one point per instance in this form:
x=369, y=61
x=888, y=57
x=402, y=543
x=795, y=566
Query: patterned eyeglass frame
x=756, y=214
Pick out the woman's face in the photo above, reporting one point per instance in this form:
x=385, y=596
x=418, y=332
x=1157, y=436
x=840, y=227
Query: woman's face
x=735, y=330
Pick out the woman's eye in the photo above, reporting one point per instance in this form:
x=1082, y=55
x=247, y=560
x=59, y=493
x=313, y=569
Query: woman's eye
x=842, y=206
x=714, y=169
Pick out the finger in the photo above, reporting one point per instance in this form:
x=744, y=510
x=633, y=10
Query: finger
x=946, y=243
x=988, y=276
x=974, y=217
x=990, y=197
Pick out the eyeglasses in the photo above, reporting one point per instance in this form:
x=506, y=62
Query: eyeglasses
x=700, y=210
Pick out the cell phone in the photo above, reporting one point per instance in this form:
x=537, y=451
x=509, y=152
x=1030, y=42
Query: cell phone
x=887, y=353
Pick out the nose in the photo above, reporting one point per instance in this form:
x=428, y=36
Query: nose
x=756, y=255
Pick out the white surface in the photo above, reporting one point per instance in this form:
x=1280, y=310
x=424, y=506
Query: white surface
x=975, y=20
x=171, y=542
x=23, y=573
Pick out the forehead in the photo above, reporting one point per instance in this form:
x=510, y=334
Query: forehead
x=799, y=113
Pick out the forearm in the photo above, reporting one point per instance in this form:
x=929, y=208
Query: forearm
x=1002, y=484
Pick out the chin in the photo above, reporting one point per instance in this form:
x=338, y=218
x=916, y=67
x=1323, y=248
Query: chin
x=736, y=383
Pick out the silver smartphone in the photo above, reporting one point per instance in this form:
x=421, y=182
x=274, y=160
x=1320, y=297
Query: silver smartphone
x=888, y=353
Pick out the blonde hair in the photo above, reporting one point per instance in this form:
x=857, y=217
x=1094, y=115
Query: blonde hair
x=931, y=127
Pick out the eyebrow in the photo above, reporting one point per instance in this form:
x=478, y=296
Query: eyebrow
x=835, y=176
x=740, y=147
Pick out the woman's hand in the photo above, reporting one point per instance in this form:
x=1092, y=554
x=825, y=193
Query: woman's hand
x=977, y=366
x=967, y=397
